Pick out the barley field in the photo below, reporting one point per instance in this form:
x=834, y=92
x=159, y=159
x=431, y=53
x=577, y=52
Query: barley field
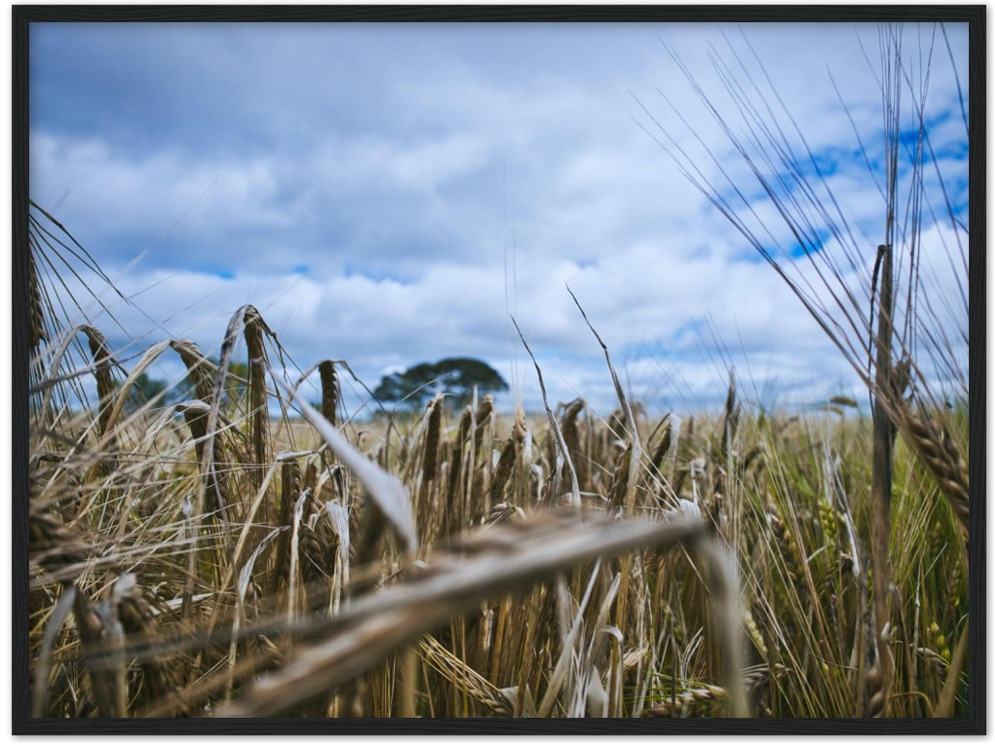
x=207, y=558
x=255, y=549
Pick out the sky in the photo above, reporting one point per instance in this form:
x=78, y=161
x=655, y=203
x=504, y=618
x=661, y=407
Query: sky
x=389, y=194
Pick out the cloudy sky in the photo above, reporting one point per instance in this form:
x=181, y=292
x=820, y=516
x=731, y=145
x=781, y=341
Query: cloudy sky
x=392, y=194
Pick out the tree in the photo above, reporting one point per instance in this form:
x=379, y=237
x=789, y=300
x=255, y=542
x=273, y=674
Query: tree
x=148, y=387
x=143, y=390
x=457, y=377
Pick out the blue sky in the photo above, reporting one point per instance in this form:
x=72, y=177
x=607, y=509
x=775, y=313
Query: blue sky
x=389, y=194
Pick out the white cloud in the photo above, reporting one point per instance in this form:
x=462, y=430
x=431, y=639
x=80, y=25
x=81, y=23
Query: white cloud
x=401, y=207
x=108, y=197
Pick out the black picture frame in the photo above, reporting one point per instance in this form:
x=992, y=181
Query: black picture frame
x=24, y=16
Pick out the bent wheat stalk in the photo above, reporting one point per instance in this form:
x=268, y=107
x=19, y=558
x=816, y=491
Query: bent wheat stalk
x=509, y=557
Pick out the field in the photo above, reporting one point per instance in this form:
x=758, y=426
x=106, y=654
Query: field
x=207, y=558
x=252, y=548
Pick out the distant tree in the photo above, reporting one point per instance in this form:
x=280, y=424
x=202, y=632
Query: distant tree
x=143, y=390
x=182, y=390
x=148, y=387
x=457, y=377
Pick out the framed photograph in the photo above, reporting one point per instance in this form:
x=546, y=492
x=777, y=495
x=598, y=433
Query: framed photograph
x=426, y=369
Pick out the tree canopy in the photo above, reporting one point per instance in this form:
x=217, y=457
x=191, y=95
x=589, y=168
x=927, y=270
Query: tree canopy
x=456, y=377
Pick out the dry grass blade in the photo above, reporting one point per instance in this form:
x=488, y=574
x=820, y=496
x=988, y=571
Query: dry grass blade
x=560, y=441
x=243, y=318
x=627, y=476
x=59, y=616
x=211, y=490
x=723, y=584
x=125, y=390
x=385, y=490
x=502, y=558
x=294, y=549
x=338, y=517
x=244, y=579
x=569, y=641
x=635, y=458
